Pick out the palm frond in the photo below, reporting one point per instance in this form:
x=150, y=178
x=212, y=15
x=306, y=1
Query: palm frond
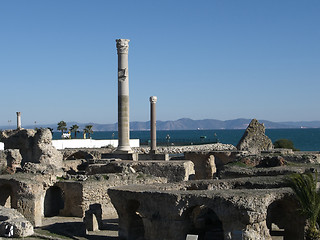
x=305, y=189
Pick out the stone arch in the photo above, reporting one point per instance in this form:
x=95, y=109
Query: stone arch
x=53, y=201
x=283, y=220
x=6, y=196
x=135, y=222
x=204, y=222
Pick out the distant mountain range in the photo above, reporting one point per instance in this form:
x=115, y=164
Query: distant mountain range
x=187, y=124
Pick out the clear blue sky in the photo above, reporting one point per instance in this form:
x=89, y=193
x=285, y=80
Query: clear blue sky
x=220, y=59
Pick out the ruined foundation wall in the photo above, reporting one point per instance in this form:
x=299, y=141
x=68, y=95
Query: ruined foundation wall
x=23, y=195
x=206, y=164
x=79, y=195
x=174, y=171
x=243, y=213
x=84, y=153
x=34, y=146
x=73, y=194
x=3, y=161
x=95, y=192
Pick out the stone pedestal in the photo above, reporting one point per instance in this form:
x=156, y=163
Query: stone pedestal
x=192, y=237
x=123, y=97
x=93, y=218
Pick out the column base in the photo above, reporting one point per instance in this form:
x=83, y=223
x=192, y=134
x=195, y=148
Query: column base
x=124, y=149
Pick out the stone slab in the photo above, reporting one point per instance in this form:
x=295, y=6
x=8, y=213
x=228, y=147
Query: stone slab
x=159, y=157
x=192, y=237
x=122, y=156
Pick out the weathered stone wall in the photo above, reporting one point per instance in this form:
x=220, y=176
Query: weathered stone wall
x=34, y=146
x=162, y=212
x=174, y=171
x=190, y=148
x=20, y=139
x=303, y=157
x=73, y=166
x=24, y=193
x=84, y=153
x=73, y=198
x=3, y=161
x=96, y=191
x=79, y=195
x=13, y=159
x=204, y=164
x=238, y=172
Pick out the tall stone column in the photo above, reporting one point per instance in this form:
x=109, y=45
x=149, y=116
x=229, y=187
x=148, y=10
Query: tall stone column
x=123, y=97
x=153, y=124
x=18, y=120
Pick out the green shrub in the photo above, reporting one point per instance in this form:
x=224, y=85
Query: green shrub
x=106, y=177
x=285, y=143
x=237, y=164
x=305, y=188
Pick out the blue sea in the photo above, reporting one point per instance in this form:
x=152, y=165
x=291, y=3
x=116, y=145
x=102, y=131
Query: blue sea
x=307, y=139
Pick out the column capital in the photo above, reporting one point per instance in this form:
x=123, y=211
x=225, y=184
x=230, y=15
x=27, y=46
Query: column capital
x=153, y=99
x=122, y=45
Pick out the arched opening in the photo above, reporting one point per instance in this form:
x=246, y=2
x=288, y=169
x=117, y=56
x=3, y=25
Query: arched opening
x=135, y=222
x=53, y=201
x=205, y=223
x=6, y=196
x=283, y=220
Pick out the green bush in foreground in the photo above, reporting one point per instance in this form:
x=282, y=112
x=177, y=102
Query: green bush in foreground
x=284, y=143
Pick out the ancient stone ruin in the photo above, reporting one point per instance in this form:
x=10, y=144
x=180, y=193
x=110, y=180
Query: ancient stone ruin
x=14, y=224
x=213, y=191
x=254, y=139
x=210, y=191
x=35, y=147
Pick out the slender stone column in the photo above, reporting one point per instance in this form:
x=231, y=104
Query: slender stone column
x=153, y=124
x=123, y=97
x=18, y=120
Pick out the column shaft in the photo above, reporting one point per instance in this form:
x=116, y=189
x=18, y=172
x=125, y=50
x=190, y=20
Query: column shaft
x=123, y=97
x=153, y=124
x=18, y=120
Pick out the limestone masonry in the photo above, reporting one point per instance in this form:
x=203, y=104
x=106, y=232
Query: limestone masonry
x=213, y=191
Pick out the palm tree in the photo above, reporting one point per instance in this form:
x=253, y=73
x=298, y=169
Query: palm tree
x=62, y=126
x=305, y=188
x=74, y=128
x=88, y=129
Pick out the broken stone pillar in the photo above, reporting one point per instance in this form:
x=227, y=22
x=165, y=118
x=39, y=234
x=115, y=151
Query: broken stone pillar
x=19, y=120
x=254, y=139
x=123, y=97
x=153, y=124
x=93, y=217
